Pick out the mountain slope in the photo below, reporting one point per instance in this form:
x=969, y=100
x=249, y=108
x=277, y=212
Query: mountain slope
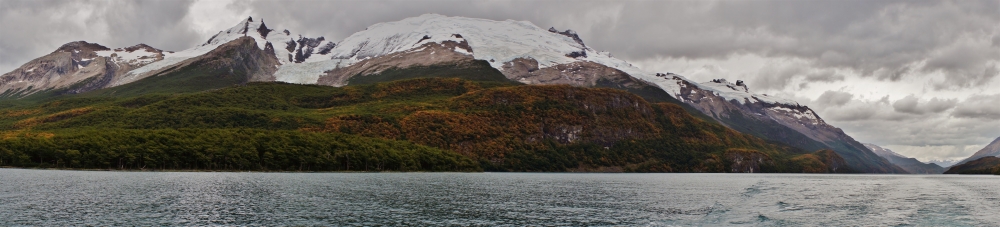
x=236, y=62
x=500, y=126
x=945, y=163
x=984, y=165
x=774, y=119
x=518, y=50
x=911, y=165
x=76, y=67
x=991, y=150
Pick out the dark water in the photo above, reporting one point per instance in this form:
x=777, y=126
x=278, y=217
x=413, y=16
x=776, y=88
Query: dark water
x=62, y=198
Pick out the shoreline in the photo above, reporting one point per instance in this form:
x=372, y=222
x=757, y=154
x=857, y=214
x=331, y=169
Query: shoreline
x=254, y=171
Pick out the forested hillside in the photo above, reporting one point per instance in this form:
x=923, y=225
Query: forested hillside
x=430, y=124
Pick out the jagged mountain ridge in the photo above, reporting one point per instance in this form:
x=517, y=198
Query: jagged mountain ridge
x=911, y=165
x=79, y=67
x=519, y=50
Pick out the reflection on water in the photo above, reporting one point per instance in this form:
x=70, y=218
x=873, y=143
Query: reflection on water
x=61, y=198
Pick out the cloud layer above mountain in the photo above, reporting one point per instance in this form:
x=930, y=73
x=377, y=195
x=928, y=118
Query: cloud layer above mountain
x=906, y=73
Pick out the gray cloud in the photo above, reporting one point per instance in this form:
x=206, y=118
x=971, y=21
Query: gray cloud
x=911, y=104
x=907, y=105
x=834, y=98
x=984, y=107
x=824, y=76
x=129, y=22
x=935, y=105
x=33, y=28
x=852, y=113
x=777, y=76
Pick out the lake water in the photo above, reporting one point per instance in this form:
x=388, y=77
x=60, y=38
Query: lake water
x=63, y=198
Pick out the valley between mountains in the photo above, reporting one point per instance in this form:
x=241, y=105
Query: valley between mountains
x=428, y=93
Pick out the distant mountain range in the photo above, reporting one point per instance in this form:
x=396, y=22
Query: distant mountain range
x=911, y=165
x=426, y=46
x=944, y=162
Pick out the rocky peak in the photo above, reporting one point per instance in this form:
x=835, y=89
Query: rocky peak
x=263, y=30
x=738, y=86
x=78, y=46
x=306, y=46
x=569, y=33
x=141, y=46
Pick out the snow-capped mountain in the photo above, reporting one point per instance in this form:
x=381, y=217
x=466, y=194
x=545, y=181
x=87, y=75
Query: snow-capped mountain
x=520, y=50
x=944, y=162
x=992, y=149
x=883, y=151
x=911, y=165
x=772, y=118
x=77, y=66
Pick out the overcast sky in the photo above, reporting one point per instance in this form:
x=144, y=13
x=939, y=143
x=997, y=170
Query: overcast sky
x=918, y=77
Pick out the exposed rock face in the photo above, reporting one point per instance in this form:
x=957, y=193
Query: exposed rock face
x=305, y=48
x=263, y=30
x=241, y=57
x=583, y=74
x=69, y=64
x=746, y=161
x=98, y=80
x=568, y=33
x=427, y=54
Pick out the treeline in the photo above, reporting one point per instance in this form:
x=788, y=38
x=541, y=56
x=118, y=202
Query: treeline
x=223, y=149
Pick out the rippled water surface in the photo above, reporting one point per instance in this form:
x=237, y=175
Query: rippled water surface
x=60, y=198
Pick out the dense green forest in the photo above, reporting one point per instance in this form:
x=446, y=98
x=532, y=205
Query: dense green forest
x=428, y=124
x=224, y=149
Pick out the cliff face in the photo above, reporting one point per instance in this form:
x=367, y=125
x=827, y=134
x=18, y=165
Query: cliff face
x=746, y=161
